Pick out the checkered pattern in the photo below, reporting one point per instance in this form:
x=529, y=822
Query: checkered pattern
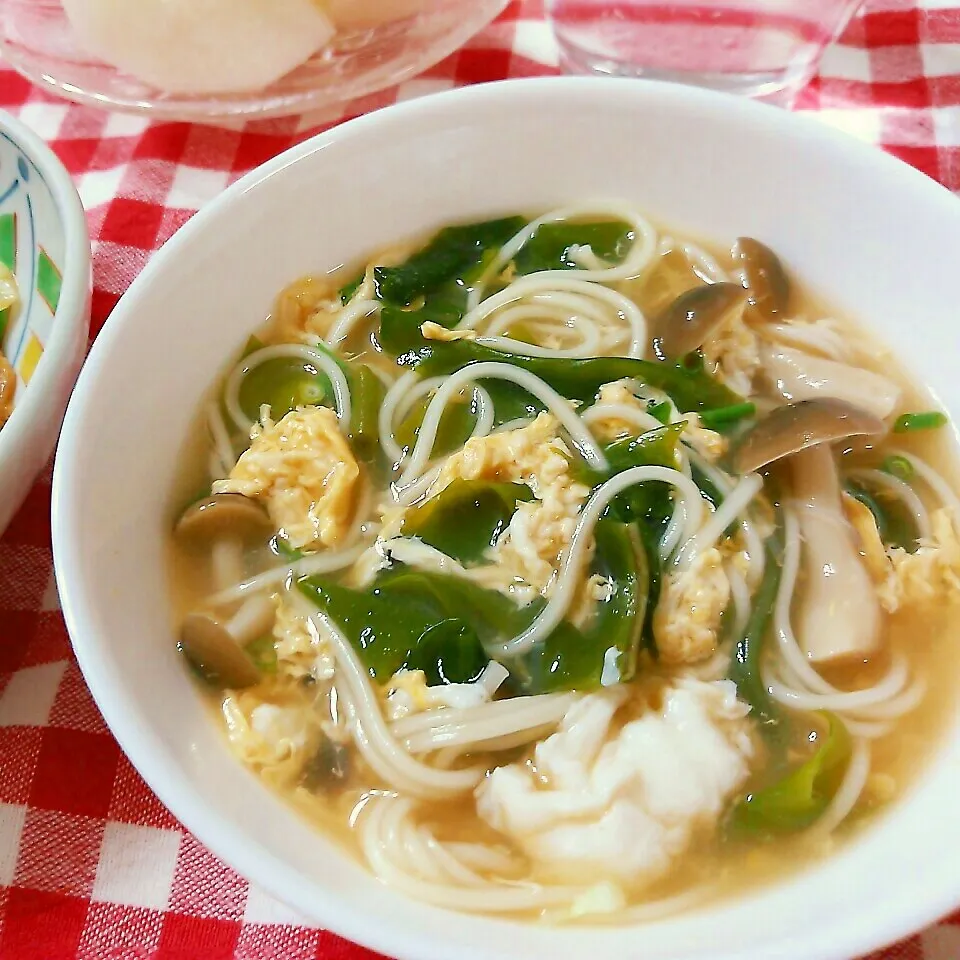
x=92, y=867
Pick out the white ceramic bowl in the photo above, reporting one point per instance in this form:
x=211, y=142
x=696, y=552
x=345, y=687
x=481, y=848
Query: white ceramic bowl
x=862, y=228
x=43, y=238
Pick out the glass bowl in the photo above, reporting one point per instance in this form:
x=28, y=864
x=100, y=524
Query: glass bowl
x=38, y=40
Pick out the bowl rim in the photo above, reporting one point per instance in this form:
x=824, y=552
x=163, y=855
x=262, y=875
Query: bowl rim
x=39, y=397
x=143, y=745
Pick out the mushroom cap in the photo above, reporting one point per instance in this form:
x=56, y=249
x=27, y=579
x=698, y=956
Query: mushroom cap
x=224, y=515
x=766, y=280
x=693, y=316
x=798, y=426
x=212, y=649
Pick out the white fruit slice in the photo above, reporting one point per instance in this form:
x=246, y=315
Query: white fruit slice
x=202, y=46
x=360, y=14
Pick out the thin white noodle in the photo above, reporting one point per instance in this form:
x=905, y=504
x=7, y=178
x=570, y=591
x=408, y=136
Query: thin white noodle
x=641, y=252
x=508, y=345
x=307, y=354
x=733, y=505
x=754, y=550
x=807, y=678
x=892, y=684
x=381, y=829
x=847, y=795
x=474, y=725
x=222, y=446
x=409, y=493
x=673, y=534
x=934, y=481
x=356, y=310
x=401, y=398
x=901, y=490
x=481, y=856
x=535, y=284
x=575, y=554
x=558, y=406
x=410, y=775
x=704, y=264
x=310, y=566
x=640, y=419
x=387, y=415
x=740, y=594
x=416, y=553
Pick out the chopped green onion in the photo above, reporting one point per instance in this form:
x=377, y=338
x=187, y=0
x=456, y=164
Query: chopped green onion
x=660, y=411
x=931, y=420
x=263, y=653
x=899, y=467
x=714, y=419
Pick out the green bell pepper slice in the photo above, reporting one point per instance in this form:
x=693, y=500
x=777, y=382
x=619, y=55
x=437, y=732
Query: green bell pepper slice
x=447, y=257
x=580, y=379
x=606, y=650
x=367, y=393
x=800, y=798
x=745, y=664
x=549, y=248
x=465, y=519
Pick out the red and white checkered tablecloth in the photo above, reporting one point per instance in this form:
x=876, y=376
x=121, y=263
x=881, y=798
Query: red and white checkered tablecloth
x=92, y=867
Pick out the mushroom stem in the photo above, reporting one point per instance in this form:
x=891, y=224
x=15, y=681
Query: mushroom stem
x=226, y=562
x=840, y=618
x=252, y=620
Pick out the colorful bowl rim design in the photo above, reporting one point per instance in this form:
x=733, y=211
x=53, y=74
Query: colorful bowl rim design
x=62, y=289
x=20, y=336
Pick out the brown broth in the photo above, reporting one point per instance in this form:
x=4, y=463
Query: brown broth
x=929, y=638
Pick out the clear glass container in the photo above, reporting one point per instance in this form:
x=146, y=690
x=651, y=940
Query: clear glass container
x=766, y=49
x=38, y=40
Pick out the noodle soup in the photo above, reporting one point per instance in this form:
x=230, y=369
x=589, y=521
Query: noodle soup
x=566, y=569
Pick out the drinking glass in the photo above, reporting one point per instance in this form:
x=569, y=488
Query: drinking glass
x=761, y=48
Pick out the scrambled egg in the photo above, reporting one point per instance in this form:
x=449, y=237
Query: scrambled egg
x=304, y=470
x=930, y=574
x=732, y=354
x=434, y=331
x=595, y=804
x=300, y=651
x=709, y=443
x=526, y=558
x=686, y=623
x=408, y=692
x=274, y=740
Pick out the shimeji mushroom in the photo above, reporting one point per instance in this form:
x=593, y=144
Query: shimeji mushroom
x=797, y=375
x=797, y=426
x=227, y=523
x=766, y=281
x=840, y=619
x=689, y=321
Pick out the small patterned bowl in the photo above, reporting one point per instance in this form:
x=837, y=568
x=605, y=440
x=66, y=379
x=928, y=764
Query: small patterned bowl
x=43, y=239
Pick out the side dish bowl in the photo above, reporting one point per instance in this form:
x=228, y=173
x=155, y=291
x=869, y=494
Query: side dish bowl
x=43, y=241
x=860, y=228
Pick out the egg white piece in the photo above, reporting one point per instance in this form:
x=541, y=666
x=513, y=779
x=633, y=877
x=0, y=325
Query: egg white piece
x=202, y=46
x=362, y=14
